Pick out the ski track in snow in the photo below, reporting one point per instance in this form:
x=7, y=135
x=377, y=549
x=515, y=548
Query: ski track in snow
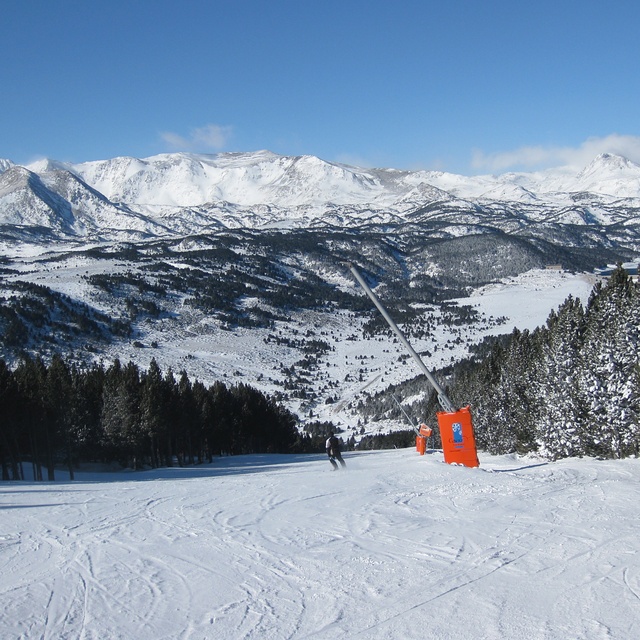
x=397, y=546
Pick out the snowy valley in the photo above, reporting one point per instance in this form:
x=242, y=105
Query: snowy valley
x=233, y=267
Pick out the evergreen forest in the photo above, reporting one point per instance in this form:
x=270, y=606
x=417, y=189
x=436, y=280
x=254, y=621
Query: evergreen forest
x=569, y=388
x=59, y=415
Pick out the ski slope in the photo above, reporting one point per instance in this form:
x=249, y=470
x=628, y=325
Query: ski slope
x=397, y=546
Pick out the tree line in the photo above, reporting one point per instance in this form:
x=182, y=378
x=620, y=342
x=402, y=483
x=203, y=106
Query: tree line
x=63, y=415
x=569, y=388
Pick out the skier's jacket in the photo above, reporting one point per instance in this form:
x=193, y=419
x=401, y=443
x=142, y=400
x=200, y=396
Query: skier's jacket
x=333, y=446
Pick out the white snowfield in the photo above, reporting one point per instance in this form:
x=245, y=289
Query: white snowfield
x=398, y=546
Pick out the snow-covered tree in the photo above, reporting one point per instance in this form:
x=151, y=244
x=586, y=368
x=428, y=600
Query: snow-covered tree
x=608, y=382
x=559, y=431
x=570, y=388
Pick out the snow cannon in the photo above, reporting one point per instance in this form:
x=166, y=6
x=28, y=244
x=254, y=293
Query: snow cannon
x=456, y=427
x=423, y=434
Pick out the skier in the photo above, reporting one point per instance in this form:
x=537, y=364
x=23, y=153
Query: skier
x=333, y=451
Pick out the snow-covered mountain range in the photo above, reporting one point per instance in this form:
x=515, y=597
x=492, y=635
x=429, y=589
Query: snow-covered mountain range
x=172, y=194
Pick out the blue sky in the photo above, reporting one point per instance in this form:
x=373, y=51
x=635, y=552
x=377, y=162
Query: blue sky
x=468, y=87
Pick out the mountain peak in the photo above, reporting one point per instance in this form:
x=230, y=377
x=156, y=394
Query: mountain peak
x=610, y=174
x=612, y=161
x=47, y=164
x=187, y=192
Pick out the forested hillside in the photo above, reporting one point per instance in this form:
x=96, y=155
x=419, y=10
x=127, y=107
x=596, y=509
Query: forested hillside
x=569, y=388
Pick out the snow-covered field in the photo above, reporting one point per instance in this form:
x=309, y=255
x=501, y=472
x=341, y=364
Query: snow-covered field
x=397, y=546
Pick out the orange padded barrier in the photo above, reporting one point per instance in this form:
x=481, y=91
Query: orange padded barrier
x=458, y=441
x=421, y=445
x=425, y=431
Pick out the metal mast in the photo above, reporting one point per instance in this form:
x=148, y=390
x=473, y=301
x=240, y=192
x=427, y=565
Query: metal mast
x=445, y=403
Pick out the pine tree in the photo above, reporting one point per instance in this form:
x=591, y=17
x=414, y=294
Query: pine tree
x=486, y=396
x=153, y=418
x=59, y=401
x=120, y=414
x=30, y=376
x=203, y=402
x=608, y=385
x=186, y=419
x=520, y=388
x=559, y=428
x=222, y=431
x=9, y=441
x=86, y=427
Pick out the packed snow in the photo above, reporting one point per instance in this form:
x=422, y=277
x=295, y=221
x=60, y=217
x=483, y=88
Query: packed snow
x=398, y=545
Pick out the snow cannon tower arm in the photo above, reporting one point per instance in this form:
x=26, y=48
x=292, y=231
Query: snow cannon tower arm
x=445, y=403
x=456, y=429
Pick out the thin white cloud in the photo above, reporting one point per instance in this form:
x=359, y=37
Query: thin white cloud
x=354, y=160
x=211, y=137
x=540, y=157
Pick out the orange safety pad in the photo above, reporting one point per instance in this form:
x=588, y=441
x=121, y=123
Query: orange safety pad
x=458, y=440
